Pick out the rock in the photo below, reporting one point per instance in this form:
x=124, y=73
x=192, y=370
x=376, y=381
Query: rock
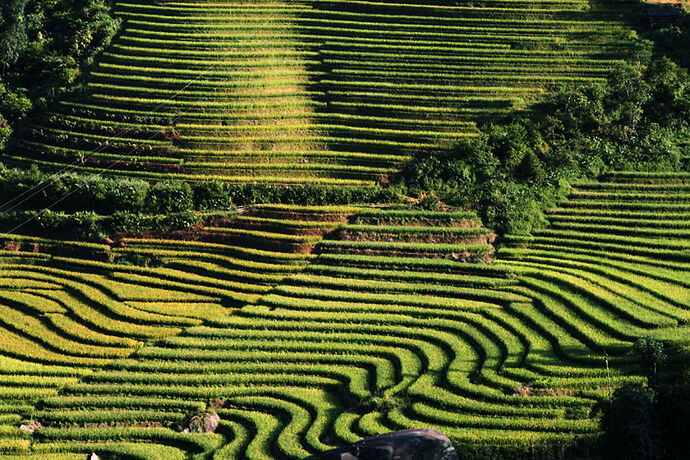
x=30, y=427
x=211, y=422
x=11, y=246
x=206, y=422
x=416, y=444
x=94, y=456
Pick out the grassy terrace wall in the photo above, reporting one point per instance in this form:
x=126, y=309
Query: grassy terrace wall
x=313, y=91
x=339, y=328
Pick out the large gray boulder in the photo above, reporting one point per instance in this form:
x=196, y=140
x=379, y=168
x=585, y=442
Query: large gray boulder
x=416, y=444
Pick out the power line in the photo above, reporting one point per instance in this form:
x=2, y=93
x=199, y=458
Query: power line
x=38, y=187
x=46, y=182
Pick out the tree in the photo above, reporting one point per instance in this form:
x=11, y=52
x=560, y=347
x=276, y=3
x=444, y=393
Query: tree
x=44, y=47
x=653, y=356
x=530, y=168
x=674, y=413
x=5, y=132
x=13, y=37
x=630, y=425
x=451, y=172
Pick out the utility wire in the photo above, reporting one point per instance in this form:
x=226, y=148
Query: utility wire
x=38, y=188
x=100, y=174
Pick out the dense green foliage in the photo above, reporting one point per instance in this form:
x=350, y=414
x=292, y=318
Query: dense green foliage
x=88, y=225
x=312, y=194
x=636, y=120
x=44, y=46
x=648, y=424
x=673, y=406
x=32, y=190
x=630, y=424
x=673, y=41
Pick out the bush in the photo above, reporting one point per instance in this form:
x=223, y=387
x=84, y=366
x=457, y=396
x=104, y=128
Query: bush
x=14, y=106
x=85, y=224
x=88, y=225
x=182, y=220
x=103, y=195
x=122, y=222
x=631, y=425
x=674, y=413
x=510, y=207
x=169, y=197
x=212, y=195
x=455, y=171
x=318, y=195
x=32, y=189
x=517, y=168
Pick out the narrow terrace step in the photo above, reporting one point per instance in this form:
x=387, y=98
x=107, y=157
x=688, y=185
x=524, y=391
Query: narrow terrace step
x=304, y=213
x=421, y=234
x=647, y=177
x=284, y=226
x=456, y=252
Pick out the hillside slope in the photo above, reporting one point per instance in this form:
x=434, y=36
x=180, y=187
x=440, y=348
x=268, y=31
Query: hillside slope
x=313, y=91
x=394, y=322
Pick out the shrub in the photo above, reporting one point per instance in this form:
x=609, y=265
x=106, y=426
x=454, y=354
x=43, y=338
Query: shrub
x=674, y=413
x=630, y=425
x=454, y=171
x=88, y=225
x=317, y=195
x=14, y=106
x=510, y=207
x=83, y=223
x=103, y=195
x=169, y=197
x=32, y=189
x=211, y=195
x=122, y=222
x=181, y=220
x=652, y=354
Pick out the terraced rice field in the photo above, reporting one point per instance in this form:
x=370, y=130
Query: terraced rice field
x=308, y=327
x=338, y=91
x=348, y=322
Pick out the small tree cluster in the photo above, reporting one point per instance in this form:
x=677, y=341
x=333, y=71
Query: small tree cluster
x=516, y=168
x=44, y=46
x=649, y=422
x=645, y=424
